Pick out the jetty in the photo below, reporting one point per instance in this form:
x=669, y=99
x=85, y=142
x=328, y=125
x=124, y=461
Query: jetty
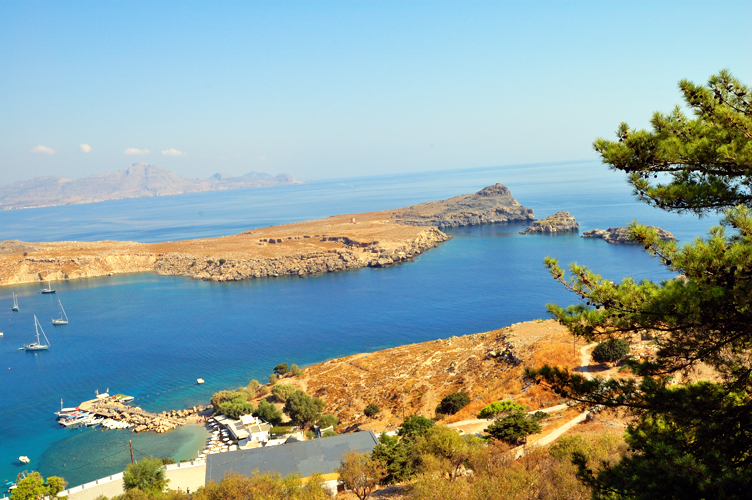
x=112, y=408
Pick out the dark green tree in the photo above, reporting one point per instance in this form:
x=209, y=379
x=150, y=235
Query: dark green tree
x=148, y=474
x=269, y=412
x=282, y=369
x=283, y=391
x=327, y=421
x=371, y=410
x=415, y=425
x=499, y=408
x=303, y=409
x=516, y=426
x=691, y=440
x=452, y=403
x=400, y=457
x=610, y=351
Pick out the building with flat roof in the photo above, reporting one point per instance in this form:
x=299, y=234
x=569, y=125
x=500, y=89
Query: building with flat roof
x=305, y=458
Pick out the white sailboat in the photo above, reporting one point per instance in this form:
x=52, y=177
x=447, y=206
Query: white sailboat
x=15, y=302
x=49, y=287
x=38, y=346
x=63, y=320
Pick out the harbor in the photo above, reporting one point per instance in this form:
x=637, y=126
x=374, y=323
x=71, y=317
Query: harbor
x=113, y=412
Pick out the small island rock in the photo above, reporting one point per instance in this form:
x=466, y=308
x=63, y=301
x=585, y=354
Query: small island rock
x=621, y=235
x=560, y=222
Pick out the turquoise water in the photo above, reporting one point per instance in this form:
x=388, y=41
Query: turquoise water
x=151, y=336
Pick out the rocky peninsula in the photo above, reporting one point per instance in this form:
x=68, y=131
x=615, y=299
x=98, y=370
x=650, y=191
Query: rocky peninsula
x=337, y=243
x=621, y=235
x=560, y=222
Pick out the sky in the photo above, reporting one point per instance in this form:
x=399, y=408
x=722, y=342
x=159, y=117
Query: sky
x=341, y=89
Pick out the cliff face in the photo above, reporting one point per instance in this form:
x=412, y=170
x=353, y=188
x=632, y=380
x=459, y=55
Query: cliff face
x=490, y=205
x=621, y=236
x=560, y=222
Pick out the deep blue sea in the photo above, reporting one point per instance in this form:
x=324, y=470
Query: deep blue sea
x=151, y=337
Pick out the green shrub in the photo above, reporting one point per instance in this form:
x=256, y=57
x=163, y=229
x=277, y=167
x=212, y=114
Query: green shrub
x=280, y=430
x=282, y=369
x=327, y=420
x=283, y=391
x=167, y=460
x=610, y=351
x=148, y=474
x=269, y=412
x=371, y=410
x=415, y=425
x=303, y=409
x=515, y=427
x=453, y=403
x=210, y=262
x=273, y=378
x=499, y=407
x=222, y=261
x=295, y=370
x=328, y=433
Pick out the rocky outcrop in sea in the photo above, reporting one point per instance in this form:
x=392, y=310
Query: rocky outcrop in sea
x=622, y=236
x=491, y=205
x=560, y=222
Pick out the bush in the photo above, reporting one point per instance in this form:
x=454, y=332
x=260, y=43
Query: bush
x=269, y=412
x=222, y=261
x=302, y=409
x=415, y=425
x=400, y=457
x=371, y=410
x=453, y=403
x=295, y=370
x=328, y=433
x=497, y=408
x=327, y=420
x=610, y=351
x=148, y=474
x=236, y=408
x=263, y=486
x=220, y=397
x=33, y=486
x=516, y=427
x=253, y=386
x=280, y=430
x=283, y=391
x=262, y=391
x=360, y=473
x=167, y=460
x=282, y=369
x=273, y=378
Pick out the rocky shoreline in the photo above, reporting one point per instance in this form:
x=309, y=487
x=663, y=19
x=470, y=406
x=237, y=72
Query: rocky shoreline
x=560, y=222
x=622, y=236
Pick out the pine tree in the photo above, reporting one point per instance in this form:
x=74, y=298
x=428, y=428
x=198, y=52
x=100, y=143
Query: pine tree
x=691, y=440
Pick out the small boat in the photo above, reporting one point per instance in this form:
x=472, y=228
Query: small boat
x=63, y=320
x=24, y=459
x=38, y=346
x=49, y=288
x=15, y=303
x=199, y=381
x=65, y=412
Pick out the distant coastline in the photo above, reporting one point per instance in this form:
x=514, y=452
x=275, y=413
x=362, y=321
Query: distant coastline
x=139, y=181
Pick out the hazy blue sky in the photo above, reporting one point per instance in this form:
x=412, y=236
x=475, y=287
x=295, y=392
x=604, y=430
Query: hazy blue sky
x=338, y=89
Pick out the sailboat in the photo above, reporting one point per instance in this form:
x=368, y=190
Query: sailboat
x=15, y=302
x=49, y=287
x=63, y=318
x=38, y=346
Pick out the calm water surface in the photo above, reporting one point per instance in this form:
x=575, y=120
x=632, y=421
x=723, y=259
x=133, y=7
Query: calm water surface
x=151, y=337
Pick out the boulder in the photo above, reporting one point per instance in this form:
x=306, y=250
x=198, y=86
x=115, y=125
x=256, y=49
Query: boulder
x=560, y=222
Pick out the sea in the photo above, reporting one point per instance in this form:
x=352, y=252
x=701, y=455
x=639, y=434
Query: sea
x=152, y=336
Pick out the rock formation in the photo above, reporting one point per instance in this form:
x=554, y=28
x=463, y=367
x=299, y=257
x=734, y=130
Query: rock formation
x=620, y=235
x=560, y=222
x=490, y=205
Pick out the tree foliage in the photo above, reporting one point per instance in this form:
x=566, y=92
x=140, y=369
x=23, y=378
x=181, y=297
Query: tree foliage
x=269, y=412
x=498, y=408
x=283, y=391
x=282, y=369
x=327, y=421
x=34, y=487
x=690, y=440
x=516, y=426
x=610, y=351
x=415, y=425
x=360, y=473
x=302, y=409
x=263, y=487
x=371, y=410
x=399, y=457
x=148, y=474
x=452, y=403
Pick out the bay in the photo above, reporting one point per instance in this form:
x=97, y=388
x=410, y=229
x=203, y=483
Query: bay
x=151, y=337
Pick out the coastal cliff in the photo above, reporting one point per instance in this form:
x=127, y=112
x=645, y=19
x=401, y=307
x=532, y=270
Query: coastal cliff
x=560, y=222
x=490, y=205
x=621, y=236
x=337, y=243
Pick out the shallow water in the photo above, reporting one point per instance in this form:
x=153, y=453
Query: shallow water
x=151, y=337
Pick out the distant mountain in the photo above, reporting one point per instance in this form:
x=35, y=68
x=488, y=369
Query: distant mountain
x=140, y=180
